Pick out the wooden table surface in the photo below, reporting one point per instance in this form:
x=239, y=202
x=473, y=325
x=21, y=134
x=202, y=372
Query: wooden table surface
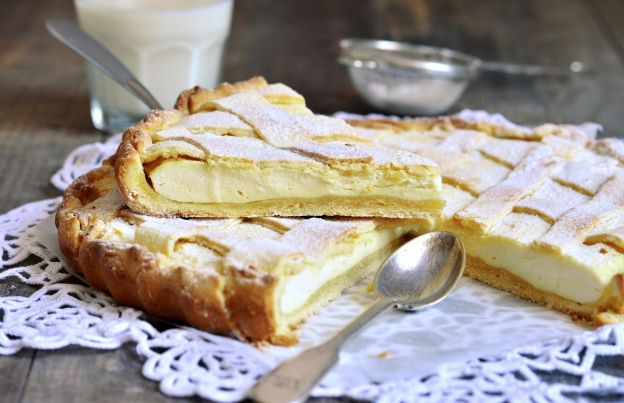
x=44, y=110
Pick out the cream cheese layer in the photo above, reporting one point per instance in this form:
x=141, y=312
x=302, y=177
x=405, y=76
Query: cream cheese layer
x=300, y=287
x=579, y=274
x=224, y=182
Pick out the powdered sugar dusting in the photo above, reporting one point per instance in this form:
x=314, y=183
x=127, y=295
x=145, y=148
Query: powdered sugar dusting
x=508, y=151
x=474, y=173
x=274, y=124
x=314, y=236
x=171, y=132
x=572, y=201
x=217, y=122
x=495, y=119
x=325, y=139
x=245, y=148
x=571, y=228
x=551, y=200
x=278, y=91
x=611, y=147
x=319, y=127
x=587, y=174
x=500, y=199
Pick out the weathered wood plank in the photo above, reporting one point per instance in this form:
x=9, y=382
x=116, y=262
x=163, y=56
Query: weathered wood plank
x=296, y=42
x=82, y=375
x=553, y=32
x=14, y=370
x=609, y=17
x=43, y=102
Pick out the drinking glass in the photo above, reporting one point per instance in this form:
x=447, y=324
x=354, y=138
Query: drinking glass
x=170, y=45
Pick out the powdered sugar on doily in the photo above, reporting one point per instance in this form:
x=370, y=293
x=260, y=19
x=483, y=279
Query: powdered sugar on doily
x=471, y=347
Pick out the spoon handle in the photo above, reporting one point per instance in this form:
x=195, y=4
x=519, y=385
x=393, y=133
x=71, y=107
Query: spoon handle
x=534, y=70
x=93, y=51
x=294, y=378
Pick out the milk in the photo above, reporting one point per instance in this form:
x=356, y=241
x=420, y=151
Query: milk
x=169, y=45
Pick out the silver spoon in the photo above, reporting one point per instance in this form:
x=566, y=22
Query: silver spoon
x=95, y=53
x=419, y=274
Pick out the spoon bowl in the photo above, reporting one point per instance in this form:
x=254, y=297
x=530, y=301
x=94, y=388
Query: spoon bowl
x=423, y=271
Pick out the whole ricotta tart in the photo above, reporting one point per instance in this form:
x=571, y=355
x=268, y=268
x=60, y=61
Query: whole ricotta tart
x=254, y=149
x=540, y=210
x=255, y=278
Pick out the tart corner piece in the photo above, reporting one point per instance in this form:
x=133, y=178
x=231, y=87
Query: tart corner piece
x=255, y=278
x=254, y=149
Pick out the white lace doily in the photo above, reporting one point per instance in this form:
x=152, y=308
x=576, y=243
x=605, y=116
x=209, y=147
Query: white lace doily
x=479, y=344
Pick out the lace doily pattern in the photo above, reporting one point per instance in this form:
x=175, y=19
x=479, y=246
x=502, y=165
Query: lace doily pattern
x=22, y=255
x=428, y=356
x=561, y=370
x=83, y=159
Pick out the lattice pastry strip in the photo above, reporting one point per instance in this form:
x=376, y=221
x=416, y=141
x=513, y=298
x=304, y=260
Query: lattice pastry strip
x=475, y=173
x=217, y=122
x=613, y=237
x=499, y=199
x=571, y=228
x=507, y=152
x=588, y=174
x=551, y=201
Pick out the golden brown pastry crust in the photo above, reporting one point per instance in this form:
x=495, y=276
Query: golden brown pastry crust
x=192, y=100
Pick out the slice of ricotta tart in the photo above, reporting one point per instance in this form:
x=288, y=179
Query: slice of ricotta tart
x=255, y=278
x=252, y=149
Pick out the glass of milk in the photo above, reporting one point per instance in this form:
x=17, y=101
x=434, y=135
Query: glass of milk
x=170, y=45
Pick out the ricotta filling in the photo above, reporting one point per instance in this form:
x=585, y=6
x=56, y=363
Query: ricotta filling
x=199, y=182
x=301, y=286
x=560, y=275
